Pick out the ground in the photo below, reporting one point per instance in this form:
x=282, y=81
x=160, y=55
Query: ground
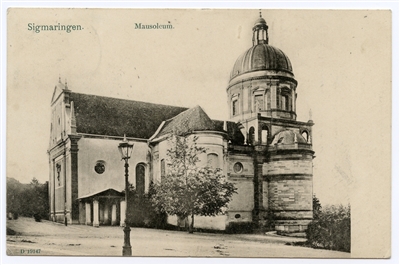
x=48, y=238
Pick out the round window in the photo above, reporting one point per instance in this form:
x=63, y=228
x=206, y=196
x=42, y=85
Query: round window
x=237, y=216
x=238, y=167
x=100, y=167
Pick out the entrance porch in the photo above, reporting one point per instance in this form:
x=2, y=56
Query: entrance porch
x=106, y=207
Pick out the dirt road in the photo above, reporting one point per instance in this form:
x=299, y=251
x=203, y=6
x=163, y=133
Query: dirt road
x=52, y=239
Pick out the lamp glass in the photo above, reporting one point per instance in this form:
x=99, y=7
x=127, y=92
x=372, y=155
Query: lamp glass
x=125, y=148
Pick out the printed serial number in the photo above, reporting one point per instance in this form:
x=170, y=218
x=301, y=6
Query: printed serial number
x=30, y=251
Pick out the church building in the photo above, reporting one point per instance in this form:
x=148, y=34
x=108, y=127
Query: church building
x=262, y=149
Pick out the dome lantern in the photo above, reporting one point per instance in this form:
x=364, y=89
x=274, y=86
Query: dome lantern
x=260, y=31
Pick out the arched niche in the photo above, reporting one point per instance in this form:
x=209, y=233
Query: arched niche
x=251, y=136
x=264, y=134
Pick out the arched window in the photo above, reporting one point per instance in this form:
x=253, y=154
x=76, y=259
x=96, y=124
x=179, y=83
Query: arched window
x=258, y=103
x=162, y=168
x=264, y=134
x=235, y=107
x=251, y=136
x=305, y=135
x=140, y=173
x=285, y=102
x=212, y=160
x=268, y=99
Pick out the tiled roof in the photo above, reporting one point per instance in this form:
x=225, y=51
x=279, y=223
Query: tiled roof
x=194, y=119
x=116, y=117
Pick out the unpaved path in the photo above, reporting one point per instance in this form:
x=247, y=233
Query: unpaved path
x=52, y=239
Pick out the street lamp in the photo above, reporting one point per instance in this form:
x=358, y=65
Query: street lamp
x=125, y=148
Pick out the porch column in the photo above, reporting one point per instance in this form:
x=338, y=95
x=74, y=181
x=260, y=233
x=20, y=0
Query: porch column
x=114, y=214
x=96, y=213
x=101, y=217
x=106, y=209
x=88, y=214
x=123, y=213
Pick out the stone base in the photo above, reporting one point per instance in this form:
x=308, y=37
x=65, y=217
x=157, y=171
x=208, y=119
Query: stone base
x=291, y=226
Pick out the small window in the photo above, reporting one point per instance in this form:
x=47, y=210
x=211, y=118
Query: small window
x=235, y=107
x=285, y=102
x=238, y=167
x=100, y=167
x=162, y=168
x=258, y=103
x=268, y=99
x=305, y=135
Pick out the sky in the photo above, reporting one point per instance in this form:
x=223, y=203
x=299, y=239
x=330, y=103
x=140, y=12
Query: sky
x=341, y=60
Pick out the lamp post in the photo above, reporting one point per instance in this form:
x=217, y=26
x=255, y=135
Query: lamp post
x=125, y=148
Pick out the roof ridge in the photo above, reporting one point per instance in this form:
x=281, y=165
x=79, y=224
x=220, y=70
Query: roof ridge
x=184, y=112
x=130, y=100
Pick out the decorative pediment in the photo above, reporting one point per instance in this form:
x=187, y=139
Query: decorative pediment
x=259, y=90
x=285, y=89
x=235, y=96
x=107, y=193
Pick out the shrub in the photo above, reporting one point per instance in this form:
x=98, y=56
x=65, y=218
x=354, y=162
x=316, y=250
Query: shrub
x=15, y=216
x=11, y=232
x=141, y=211
x=37, y=217
x=240, y=228
x=331, y=229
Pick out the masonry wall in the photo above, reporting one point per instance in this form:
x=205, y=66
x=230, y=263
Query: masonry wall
x=289, y=178
x=294, y=166
x=92, y=150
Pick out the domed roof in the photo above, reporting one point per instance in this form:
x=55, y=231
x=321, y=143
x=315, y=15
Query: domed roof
x=261, y=57
x=288, y=137
x=259, y=21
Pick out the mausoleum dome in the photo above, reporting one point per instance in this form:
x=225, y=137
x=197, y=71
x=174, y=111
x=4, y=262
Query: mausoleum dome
x=262, y=56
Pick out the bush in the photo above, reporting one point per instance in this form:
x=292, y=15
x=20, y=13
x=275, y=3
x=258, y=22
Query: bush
x=38, y=217
x=11, y=232
x=15, y=216
x=331, y=229
x=240, y=228
x=141, y=211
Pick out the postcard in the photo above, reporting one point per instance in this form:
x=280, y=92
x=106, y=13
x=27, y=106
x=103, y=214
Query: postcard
x=223, y=133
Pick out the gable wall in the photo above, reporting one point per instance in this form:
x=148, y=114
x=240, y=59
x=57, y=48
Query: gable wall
x=92, y=150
